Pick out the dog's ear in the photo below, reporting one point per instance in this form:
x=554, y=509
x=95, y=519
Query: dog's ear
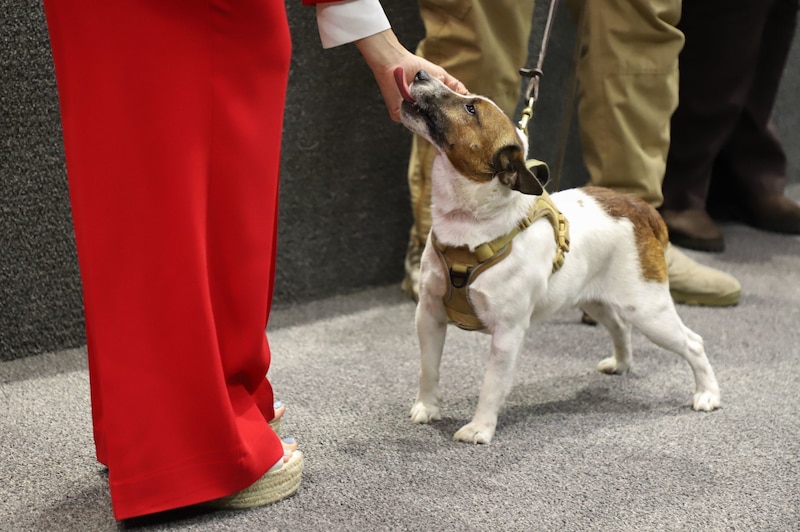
x=509, y=167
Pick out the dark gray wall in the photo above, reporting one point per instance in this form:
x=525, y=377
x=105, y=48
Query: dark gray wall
x=344, y=198
x=40, y=300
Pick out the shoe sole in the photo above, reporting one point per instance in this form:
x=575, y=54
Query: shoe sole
x=774, y=227
x=706, y=300
x=713, y=245
x=269, y=489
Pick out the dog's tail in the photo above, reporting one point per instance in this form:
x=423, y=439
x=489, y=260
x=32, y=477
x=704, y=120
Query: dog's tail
x=654, y=262
x=658, y=227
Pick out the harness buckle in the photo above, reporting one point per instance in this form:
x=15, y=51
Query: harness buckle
x=563, y=235
x=459, y=275
x=484, y=252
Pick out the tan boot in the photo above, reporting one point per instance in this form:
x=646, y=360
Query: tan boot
x=692, y=283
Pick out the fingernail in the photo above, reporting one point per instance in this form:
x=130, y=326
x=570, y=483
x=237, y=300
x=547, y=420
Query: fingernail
x=288, y=440
x=277, y=404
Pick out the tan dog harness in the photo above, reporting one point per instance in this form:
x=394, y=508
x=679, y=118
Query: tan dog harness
x=463, y=266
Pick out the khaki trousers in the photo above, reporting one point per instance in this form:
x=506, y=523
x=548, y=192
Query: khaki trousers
x=627, y=78
x=627, y=92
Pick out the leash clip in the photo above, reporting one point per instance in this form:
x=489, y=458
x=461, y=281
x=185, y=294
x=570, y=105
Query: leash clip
x=531, y=95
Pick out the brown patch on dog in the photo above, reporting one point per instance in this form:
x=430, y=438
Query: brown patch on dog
x=649, y=229
x=473, y=140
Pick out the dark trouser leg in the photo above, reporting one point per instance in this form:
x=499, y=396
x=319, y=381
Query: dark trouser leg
x=717, y=67
x=750, y=170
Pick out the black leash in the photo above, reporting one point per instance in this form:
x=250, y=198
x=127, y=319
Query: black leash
x=536, y=74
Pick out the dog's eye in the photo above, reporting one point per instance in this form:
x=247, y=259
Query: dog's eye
x=470, y=108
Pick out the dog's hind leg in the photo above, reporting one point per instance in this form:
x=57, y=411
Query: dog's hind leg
x=620, y=330
x=662, y=325
x=497, y=381
x=431, y=323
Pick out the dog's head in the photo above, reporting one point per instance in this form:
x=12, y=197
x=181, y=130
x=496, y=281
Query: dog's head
x=478, y=139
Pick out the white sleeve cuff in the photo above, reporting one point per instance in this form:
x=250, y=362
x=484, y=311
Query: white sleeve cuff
x=350, y=20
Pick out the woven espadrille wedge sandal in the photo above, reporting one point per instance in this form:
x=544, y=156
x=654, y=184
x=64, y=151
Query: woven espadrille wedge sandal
x=280, y=482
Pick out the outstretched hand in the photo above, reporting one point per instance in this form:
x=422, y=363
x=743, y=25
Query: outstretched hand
x=384, y=54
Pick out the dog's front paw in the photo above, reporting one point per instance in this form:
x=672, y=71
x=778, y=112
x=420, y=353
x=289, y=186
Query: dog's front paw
x=611, y=366
x=706, y=401
x=475, y=433
x=422, y=413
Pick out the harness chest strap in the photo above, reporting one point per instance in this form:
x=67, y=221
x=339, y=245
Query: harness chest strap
x=462, y=266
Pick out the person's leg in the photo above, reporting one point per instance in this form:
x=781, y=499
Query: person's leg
x=628, y=89
x=171, y=113
x=725, y=35
x=750, y=171
x=483, y=43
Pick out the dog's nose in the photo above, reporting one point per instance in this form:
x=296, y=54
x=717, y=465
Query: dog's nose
x=422, y=76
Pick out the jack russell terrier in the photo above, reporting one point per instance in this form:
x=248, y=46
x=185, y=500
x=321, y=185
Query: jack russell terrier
x=502, y=255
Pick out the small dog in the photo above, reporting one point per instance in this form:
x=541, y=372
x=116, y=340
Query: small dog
x=614, y=270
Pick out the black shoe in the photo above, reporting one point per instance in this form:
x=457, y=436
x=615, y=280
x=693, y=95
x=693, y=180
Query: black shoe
x=775, y=213
x=693, y=229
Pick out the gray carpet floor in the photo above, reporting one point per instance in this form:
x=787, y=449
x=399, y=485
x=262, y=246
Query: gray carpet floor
x=574, y=449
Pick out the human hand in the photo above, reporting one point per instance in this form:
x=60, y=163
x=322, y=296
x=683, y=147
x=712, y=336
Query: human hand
x=384, y=54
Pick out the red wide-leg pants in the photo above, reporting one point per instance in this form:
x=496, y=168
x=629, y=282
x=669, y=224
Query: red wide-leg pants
x=172, y=113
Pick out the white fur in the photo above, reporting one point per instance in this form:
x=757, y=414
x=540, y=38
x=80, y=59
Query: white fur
x=601, y=274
